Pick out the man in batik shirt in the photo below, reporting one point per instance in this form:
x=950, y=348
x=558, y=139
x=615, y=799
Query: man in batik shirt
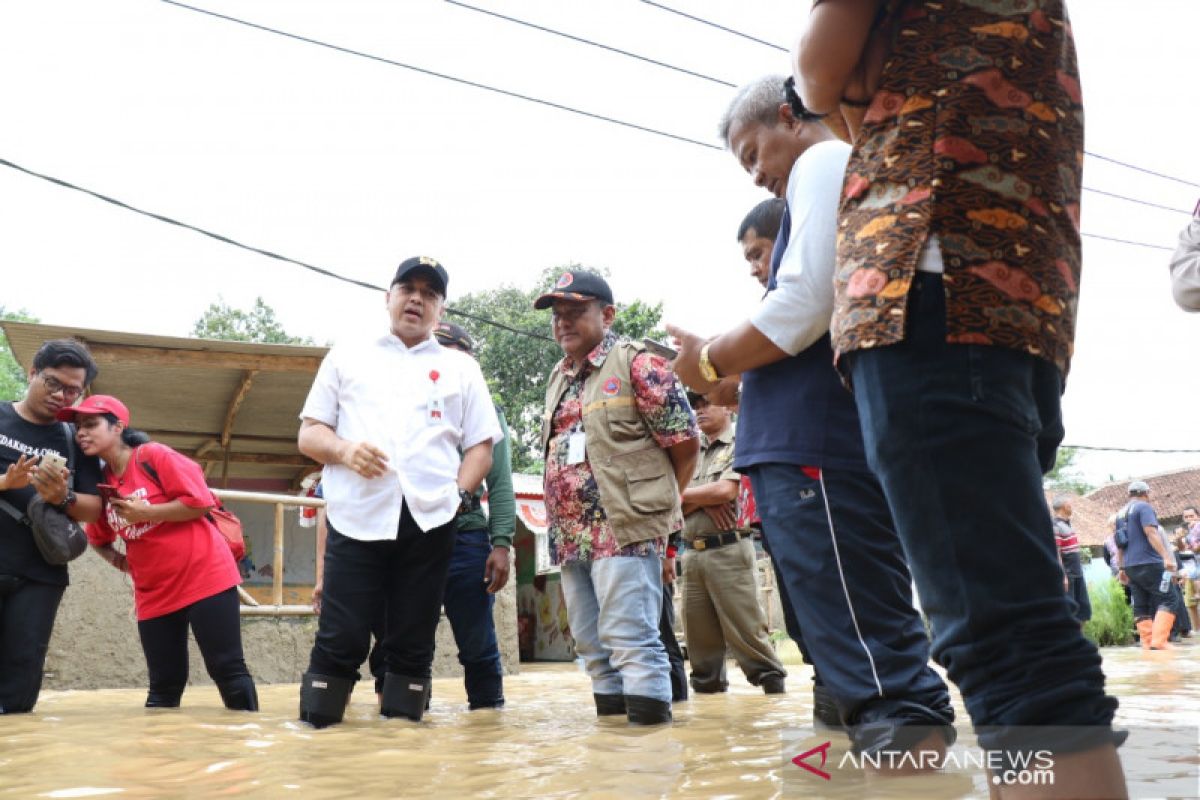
x=954, y=321
x=619, y=440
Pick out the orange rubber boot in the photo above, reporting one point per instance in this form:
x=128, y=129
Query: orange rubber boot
x=1145, y=629
x=1163, y=622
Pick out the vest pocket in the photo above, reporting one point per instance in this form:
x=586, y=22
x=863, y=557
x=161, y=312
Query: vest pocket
x=651, y=491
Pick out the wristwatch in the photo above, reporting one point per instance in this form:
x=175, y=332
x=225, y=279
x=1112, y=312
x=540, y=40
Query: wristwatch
x=707, y=370
x=67, y=501
x=466, y=501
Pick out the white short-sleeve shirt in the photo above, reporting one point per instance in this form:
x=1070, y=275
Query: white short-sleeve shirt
x=381, y=392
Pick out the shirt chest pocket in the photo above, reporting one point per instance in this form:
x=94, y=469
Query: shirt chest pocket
x=622, y=420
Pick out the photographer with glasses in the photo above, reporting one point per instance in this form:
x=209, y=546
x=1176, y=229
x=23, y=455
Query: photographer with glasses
x=32, y=441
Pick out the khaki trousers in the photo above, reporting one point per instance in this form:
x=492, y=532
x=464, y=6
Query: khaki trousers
x=721, y=611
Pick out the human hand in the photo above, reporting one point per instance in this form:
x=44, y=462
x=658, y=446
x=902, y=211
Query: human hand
x=687, y=363
x=364, y=458
x=1123, y=578
x=496, y=571
x=19, y=474
x=50, y=483
x=133, y=509
x=668, y=573
x=723, y=516
x=317, y=593
x=726, y=392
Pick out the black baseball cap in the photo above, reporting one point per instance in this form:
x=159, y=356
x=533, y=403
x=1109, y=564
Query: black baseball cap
x=576, y=285
x=423, y=265
x=452, y=335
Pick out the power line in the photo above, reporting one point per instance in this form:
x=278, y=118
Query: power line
x=712, y=24
x=1141, y=169
x=444, y=76
x=1125, y=449
x=591, y=43
x=1127, y=241
x=1135, y=200
x=226, y=240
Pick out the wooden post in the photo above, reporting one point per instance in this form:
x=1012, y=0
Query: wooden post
x=277, y=580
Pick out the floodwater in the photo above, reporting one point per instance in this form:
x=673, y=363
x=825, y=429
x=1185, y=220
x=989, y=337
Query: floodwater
x=546, y=743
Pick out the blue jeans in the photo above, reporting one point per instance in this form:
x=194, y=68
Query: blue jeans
x=842, y=565
x=960, y=436
x=613, y=606
x=469, y=609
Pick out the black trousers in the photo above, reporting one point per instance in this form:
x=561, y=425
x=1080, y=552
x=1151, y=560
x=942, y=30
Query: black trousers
x=666, y=631
x=406, y=576
x=26, y=620
x=217, y=625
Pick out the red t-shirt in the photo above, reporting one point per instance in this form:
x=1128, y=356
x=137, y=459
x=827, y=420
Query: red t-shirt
x=173, y=564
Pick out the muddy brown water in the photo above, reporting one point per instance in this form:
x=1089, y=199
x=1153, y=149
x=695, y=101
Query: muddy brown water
x=546, y=743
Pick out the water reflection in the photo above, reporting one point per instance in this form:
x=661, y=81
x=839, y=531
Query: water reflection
x=547, y=743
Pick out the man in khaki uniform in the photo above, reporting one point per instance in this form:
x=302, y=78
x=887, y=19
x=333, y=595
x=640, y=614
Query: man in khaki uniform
x=721, y=606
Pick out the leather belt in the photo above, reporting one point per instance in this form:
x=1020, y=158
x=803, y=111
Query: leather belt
x=715, y=540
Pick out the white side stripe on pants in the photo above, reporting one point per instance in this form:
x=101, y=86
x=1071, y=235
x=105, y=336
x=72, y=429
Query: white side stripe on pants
x=845, y=589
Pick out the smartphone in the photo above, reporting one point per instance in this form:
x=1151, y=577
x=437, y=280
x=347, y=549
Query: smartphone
x=53, y=461
x=109, y=492
x=660, y=349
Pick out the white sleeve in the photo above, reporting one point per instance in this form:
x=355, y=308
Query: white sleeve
x=797, y=312
x=322, y=401
x=1185, y=268
x=479, y=422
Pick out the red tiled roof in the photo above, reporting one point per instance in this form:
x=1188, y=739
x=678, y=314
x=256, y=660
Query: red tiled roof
x=1170, y=493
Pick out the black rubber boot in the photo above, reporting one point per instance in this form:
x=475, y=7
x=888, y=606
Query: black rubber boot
x=608, y=705
x=405, y=696
x=164, y=698
x=323, y=699
x=825, y=709
x=773, y=684
x=647, y=710
x=486, y=691
x=239, y=694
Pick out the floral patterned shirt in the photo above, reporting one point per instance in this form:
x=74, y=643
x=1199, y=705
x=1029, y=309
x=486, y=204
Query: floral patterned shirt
x=579, y=528
x=975, y=136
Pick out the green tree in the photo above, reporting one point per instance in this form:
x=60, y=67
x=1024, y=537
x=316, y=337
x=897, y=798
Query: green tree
x=1065, y=477
x=222, y=321
x=517, y=364
x=12, y=377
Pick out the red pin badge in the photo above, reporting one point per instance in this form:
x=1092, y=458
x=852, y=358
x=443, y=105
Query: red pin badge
x=434, y=375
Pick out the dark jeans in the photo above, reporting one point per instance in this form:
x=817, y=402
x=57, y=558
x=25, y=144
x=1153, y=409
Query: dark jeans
x=469, y=610
x=217, y=625
x=26, y=622
x=959, y=436
x=1144, y=580
x=405, y=576
x=666, y=630
x=790, y=624
x=844, y=570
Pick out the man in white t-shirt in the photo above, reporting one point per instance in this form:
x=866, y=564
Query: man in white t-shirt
x=388, y=419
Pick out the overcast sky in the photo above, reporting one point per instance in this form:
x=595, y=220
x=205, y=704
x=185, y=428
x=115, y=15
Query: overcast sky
x=352, y=164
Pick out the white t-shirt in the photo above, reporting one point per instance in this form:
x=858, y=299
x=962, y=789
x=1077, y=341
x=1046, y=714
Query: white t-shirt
x=388, y=394
x=798, y=311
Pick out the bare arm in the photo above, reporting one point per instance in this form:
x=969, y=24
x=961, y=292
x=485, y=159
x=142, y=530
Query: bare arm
x=476, y=461
x=137, y=510
x=321, y=443
x=831, y=49
x=114, y=558
x=1155, y=541
x=319, y=581
x=683, y=457
x=717, y=493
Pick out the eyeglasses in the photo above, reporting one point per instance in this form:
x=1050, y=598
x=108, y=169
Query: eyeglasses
x=54, y=386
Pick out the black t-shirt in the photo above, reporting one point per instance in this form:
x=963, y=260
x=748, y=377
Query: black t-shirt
x=18, y=554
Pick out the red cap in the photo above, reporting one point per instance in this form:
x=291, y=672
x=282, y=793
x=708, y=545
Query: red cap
x=96, y=404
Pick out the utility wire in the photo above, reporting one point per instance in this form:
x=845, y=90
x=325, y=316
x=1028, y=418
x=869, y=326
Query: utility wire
x=591, y=43
x=1127, y=241
x=1124, y=449
x=444, y=76
x=712, y=24
x=226, y=240
x=1135, y=200
x=1141, y=169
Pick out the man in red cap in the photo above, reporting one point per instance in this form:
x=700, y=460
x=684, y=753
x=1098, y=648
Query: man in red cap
x=31, y=438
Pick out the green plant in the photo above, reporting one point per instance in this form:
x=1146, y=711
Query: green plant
x=1112, y=618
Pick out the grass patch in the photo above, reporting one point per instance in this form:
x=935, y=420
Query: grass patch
x=1112, y=618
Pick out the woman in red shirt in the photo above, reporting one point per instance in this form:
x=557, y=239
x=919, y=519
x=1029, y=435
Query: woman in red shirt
x=182, y=568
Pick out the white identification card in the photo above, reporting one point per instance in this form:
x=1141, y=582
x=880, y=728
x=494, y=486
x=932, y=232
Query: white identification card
x=575, y=450
x=435, y=409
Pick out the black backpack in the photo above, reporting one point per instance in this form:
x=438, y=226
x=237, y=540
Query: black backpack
x=1121, y=534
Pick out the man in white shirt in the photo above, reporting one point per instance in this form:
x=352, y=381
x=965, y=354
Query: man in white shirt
x=388, y=418
x=799, y=439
